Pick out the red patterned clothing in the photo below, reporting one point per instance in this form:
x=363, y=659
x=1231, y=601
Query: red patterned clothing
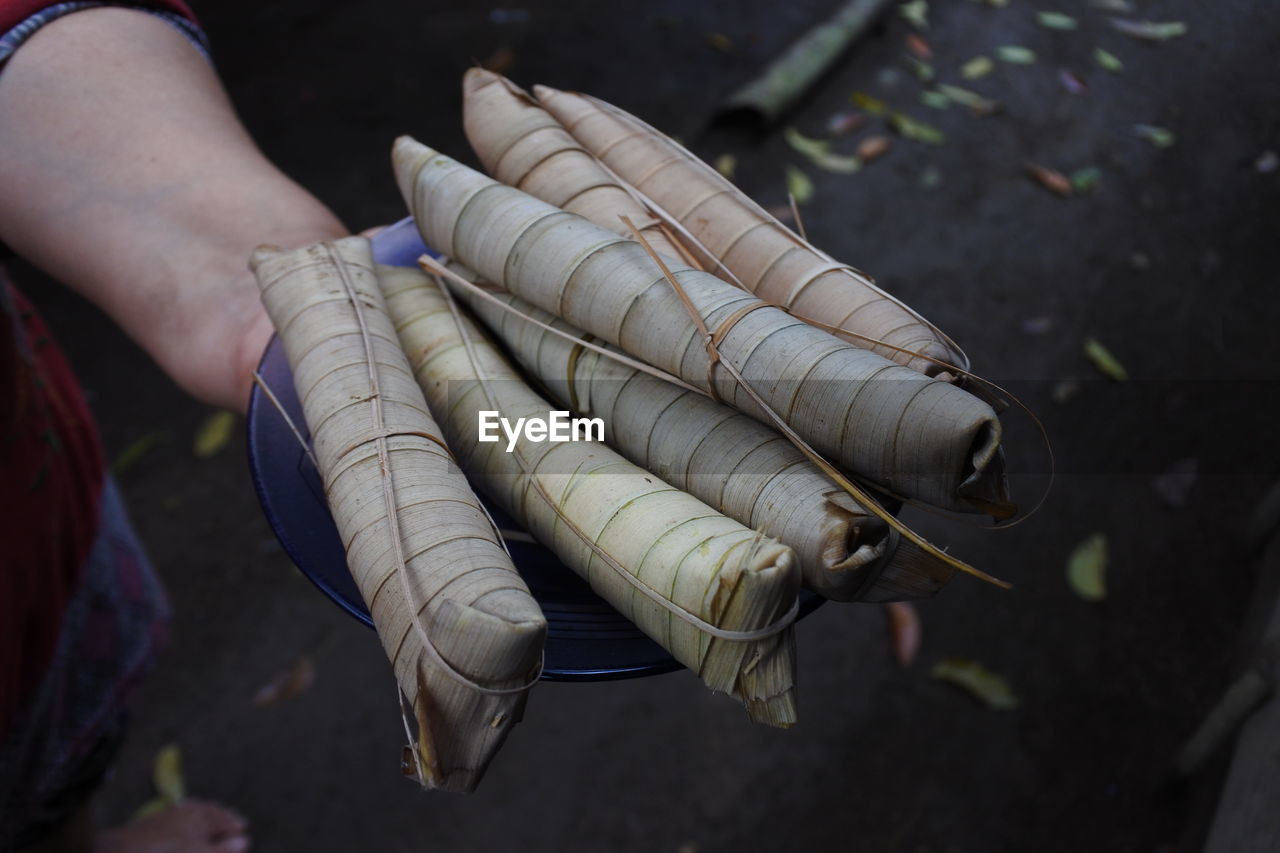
x=81, y=612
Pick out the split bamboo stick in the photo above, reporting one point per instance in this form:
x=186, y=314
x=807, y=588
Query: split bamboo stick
x=915, y=436
x=462, y=631
x=759, y=253
x=636, y=540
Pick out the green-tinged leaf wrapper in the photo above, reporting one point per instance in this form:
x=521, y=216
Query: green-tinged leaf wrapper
x=1087, y=568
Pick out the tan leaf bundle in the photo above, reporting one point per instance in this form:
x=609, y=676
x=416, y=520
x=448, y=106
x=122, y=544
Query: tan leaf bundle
x=717, y=595
x=918, y=437
x=462, y=631
x=758, y=252
x=730, y=461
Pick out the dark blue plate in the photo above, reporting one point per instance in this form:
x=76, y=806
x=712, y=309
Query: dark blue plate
x=587, y=640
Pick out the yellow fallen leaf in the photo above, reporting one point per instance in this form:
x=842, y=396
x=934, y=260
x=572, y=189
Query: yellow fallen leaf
x=979, y=66
x=214, y=433
x=1087, y=568
x=981, y=683
x=799, y=185
x=150, y=807
x=166, y=774
x=1108, y=365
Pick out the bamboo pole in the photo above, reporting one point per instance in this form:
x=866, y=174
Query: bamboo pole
x=918, y=437
x=732, y=234
x=462, y=631
x=695, y=581
x=804, y=62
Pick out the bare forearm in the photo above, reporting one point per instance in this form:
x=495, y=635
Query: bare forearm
x=125, y=174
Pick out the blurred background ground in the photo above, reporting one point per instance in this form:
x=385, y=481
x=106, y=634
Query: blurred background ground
x=1169, y=261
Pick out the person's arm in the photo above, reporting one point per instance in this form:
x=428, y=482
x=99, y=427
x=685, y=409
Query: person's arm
x=125, y=174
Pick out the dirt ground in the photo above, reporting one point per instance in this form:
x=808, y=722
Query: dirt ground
x=1168, y=261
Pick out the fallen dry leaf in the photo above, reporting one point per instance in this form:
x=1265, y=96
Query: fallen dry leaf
x=919, y=47
x=1072, y=82
x=915, y=129
x=166, y=774
x=1108, y=61
x=720, y=42
x=1150, y=30
x=873, y=147
x=924, y=71
x=872, y=105
x=819, y=153
x=980, y=683
x=979, y=66
x=799, y=185
x=150, y=807
x=936, y=100
x=1087, y=568
x=133, y=454
x=904, y=630
x=287, y=684
x=1085, y=179
x=1015, y=54
x=1065, y=390
x=843, y=123
x=1050, y=179
x=916, y=13
x=1056, y=21
x=979, y=105
x=1108, y=365
x=1160, y=137
x=214, y=433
